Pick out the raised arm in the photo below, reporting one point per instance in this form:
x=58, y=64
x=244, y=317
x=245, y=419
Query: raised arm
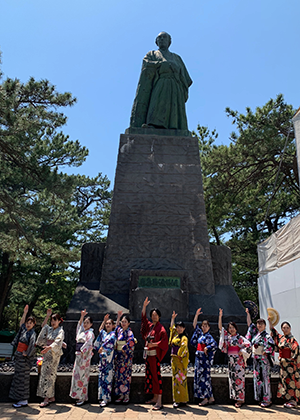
x=249, y=321
x=82, y=315
x=220, y=319
x=106, y=317
x=120, y=313
x=198, y=312
x=145, y=304
x=25, y=311
x=270, y=323
x=174, y=315
x=49, y=313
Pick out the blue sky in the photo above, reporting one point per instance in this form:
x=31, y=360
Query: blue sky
x=239, y=53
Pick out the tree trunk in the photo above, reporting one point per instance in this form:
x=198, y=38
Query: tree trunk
x=5, y=281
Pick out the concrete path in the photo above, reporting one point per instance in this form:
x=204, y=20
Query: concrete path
x=143, y=412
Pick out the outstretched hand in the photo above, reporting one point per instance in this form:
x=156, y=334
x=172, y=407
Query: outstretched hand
x=26, y=308
x=106, y=317
x=49, y=312
x=198, y=312
x=247, y=310
x=83, y=313
x=220, y=312
x=174, y=315
x=146, y=302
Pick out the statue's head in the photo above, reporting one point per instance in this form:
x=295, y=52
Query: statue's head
x=163, y=40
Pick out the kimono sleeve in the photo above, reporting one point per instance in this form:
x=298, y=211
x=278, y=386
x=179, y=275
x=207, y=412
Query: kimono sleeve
x=161, y=341
x=173, y=334
x=276, y=337
x=145, y=326
x=183, y=350
x=223, y=342
x=15, y=341
x=195, y=336
x=210, y=343
x=129, y=346
x=269, y=344
x=245, y=347
x=31, y=345
x=251, y=333
x=42, y=337
x=98, y=341
x=110, y=344
x=57, y=343
x=88, y=344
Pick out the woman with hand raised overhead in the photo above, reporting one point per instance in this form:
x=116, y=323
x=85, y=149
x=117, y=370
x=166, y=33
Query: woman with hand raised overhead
x=105, y=345
x=84, y=352
x=156, y=347
x=123, y=358
x=205, y=350
x=179, y=361
x=51, y=339
x=238, y=350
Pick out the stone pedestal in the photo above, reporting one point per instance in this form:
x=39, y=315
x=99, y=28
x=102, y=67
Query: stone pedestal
x=158, y=219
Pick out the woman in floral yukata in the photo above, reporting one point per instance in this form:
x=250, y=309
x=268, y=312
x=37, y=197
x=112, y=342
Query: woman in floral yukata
x=105, y=345
x=51, y=339
x=205, y=350
x=84, y=352
x=262, y=350
x=24, y=342
x=123, y=359
x=179, y=361
x=155, y=349
x=289, y=358
x=237, y=348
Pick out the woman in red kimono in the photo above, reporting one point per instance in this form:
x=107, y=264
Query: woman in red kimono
x=156, y=347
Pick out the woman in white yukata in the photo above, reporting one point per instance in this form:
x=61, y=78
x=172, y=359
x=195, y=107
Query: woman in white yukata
x=238, y=351
x=84, y=352
x=51, y=339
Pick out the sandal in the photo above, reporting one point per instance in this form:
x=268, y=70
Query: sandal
x=289, y=405
x=157, y=407
x=239, y=404
x=44, y=404
x=204, y=403
x=265, y=404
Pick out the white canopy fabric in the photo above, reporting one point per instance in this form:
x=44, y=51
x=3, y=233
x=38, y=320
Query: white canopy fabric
x=280, y=248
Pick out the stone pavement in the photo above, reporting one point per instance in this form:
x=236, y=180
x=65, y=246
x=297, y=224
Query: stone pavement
x=143, y=412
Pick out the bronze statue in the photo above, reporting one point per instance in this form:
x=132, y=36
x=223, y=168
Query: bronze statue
x=162, y=89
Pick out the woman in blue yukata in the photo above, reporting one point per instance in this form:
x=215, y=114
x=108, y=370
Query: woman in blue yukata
x=205, y=350
x=262, y=350
x=123, y=359
x=105, y=344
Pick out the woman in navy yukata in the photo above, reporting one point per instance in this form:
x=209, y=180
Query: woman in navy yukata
x=262, y=350
x=105, y=346
x=123, y=359
x=205, y=350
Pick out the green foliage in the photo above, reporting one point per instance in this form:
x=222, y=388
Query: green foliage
x=45, y=214
x=244, y=206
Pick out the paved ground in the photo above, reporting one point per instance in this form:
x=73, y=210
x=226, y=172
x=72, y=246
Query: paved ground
x=143, y=412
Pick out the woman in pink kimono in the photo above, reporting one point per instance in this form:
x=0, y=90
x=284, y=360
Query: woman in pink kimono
x=238, y=351
x=84, y=348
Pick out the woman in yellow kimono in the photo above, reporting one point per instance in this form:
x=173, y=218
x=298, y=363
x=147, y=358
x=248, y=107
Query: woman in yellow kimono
x=179, y=360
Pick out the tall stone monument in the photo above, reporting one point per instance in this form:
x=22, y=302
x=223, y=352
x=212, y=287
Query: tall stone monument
x=157, y=243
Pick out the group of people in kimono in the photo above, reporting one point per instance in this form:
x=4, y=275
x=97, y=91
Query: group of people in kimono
x=115, y=346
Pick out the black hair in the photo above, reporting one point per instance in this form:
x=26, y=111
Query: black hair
x=111, y=320
x=205, y=322
x=261, y=321
x=233, y=324
x=89, y=318
x=181, y=324
x=285, y=322
x=57, y=317
x=155, y=310
x=32, y=319
x=126, y=317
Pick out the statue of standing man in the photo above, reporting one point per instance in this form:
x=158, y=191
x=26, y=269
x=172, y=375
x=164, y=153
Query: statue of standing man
x=162, y=89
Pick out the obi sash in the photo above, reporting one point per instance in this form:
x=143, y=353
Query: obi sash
x=201, y=346
x=174, y=350
x=233, y=350
x=151, y=352
x=22, y=347
x=120, y=344
x=78, y=346
x=285, y=353
x=49, y=342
